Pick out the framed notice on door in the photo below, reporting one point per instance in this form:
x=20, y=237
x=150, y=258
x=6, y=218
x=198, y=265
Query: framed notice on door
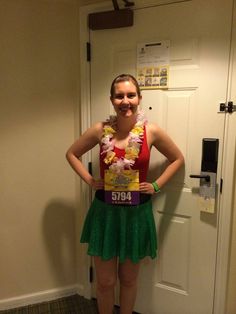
x=153, y=64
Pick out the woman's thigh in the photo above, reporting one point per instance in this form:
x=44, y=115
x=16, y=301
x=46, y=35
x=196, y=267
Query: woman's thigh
x=128, y=272
x=106, y=271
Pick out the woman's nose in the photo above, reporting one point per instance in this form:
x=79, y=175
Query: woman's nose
x=125, y=99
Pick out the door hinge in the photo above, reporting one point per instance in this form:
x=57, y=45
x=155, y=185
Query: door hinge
x=90, y=169
x=88, y=49
x=90, y=274
x=229, y=108
x=221, y=185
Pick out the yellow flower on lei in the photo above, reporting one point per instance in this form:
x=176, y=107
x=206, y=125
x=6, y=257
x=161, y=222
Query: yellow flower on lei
x=131, y=152
x=109, y=157
x=107, y=130
x=138, y=130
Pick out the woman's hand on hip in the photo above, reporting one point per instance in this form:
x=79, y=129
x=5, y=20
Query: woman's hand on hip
x=97, y=184
x=146, y=188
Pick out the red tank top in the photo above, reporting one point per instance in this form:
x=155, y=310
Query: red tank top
x=141, y=163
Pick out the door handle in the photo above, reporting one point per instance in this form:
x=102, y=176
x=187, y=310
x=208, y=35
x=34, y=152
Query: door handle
x=201, y=176
x=207, y=176
x=207, y=191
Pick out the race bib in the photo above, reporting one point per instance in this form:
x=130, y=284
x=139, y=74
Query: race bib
x=122, y=188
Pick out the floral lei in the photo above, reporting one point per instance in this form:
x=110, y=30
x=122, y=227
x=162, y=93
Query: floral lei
x=131, y=151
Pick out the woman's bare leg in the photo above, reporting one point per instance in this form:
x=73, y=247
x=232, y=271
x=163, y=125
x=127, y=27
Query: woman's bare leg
x=128, y=274
x=106, y=276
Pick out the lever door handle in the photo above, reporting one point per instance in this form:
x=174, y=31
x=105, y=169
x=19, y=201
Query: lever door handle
x=201, y=176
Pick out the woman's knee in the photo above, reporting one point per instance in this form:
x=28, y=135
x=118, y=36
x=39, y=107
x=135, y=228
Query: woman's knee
x=128, y=282
x=128, y=274
x=106, y=273
x=106, y=283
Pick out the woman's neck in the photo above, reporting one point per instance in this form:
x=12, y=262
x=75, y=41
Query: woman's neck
x=126, y=124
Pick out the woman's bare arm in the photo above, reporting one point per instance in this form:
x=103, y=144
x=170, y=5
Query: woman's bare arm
x=165, y=145
x=85, y=143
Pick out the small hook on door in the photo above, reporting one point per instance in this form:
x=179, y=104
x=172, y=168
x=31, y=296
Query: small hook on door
x=128, y=3
x=115, y=5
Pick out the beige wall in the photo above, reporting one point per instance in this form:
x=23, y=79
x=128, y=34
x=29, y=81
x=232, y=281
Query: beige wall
x=38, y=97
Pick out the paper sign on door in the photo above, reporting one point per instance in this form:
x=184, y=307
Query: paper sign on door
x=153, y=64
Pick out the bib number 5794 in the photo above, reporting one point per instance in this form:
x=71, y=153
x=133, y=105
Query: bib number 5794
x=121, y=196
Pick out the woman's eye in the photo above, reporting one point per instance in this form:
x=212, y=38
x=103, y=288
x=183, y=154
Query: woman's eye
x=119, y=96
x=132, y=95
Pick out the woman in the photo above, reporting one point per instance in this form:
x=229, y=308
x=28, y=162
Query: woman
x=120, y=235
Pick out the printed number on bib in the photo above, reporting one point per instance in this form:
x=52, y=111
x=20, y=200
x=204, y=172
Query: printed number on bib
x=121, y=196
x=122, y=188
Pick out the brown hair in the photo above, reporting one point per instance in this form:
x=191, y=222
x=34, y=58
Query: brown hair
x=124, y=78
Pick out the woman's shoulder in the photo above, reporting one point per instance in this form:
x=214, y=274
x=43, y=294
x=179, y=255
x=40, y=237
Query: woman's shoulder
x=98, y=126
x=154, y=132
x=97, y=129
x=152, y=128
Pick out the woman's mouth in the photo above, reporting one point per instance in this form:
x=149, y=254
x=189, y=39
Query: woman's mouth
x=125, y=108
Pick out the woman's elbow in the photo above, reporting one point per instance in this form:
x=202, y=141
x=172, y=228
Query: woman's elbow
x=181, y=160
x=68, y=155
x=71, y=155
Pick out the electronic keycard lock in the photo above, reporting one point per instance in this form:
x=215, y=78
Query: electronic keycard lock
x=207, y=190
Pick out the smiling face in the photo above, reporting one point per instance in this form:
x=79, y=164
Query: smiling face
x=125, y=98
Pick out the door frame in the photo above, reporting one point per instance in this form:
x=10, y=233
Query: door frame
x=226, y=198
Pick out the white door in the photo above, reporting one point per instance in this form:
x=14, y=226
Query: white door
x=182, y=279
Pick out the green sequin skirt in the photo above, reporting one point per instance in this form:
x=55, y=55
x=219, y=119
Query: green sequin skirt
x=120, y=231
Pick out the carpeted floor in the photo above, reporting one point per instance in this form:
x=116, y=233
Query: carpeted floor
x=70, y=305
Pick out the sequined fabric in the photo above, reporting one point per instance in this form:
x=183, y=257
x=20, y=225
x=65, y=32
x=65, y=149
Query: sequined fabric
x=123, y=231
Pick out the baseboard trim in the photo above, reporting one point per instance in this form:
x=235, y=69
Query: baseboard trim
x=41, y=296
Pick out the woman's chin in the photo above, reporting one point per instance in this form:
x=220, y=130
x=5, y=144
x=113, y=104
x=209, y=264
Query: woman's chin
x=127, y=113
